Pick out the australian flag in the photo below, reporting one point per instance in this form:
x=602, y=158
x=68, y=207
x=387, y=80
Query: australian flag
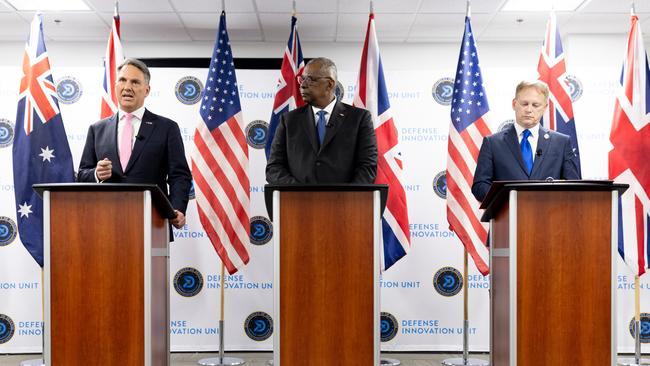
x=40, y=151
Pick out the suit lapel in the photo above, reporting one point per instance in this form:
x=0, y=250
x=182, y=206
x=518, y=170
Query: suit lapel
x=309, y=126
x=512, y=141
x=112, y=134
x=543, y=141
x=147, y=126
x=334, y=122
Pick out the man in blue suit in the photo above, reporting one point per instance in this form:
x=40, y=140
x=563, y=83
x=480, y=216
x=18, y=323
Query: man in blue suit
x=526, y=150
x=137, y=146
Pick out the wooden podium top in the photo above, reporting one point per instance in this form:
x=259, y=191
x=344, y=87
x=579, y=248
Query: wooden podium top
x=270, y=188
x=160, y=201
x=499, y=190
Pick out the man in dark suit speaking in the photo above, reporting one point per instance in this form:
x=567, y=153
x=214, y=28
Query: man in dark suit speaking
x=137, y=146
x=324, y=141
x=526, y=150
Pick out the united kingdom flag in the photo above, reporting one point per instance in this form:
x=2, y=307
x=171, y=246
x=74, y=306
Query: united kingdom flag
x=373, y=96
x=630, y=137
x=552, y=70
x=40, y=151
x=287, y=97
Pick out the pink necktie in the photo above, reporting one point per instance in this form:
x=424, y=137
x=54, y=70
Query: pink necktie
x=125, y=140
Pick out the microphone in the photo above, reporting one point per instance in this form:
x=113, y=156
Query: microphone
x=138, y=137
x=538, y=153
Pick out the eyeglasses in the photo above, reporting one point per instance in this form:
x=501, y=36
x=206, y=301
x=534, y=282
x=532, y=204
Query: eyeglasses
x=309, y=79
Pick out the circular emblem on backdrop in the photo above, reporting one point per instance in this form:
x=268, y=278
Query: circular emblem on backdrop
x=7, y=328
x=8, y=231
x=258, y=326
x=261, y=230
x=192, y=193
x=388, y=325
x=339, y=91
x=6, y=132
x=68, y=90
x=645, y=328
x=440, y=184
x=188, y=282
x=443, y=91
x=188, y=90
x=575, y=87
x=448, y=281
x=505, y=124
x=256, y=133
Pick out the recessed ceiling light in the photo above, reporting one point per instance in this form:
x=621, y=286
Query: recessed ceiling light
x=48, y=5
x=542, y=5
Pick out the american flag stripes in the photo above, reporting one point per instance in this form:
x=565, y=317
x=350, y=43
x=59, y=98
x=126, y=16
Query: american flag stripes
x=220, y=159
x=41, y=153
x=552, y=70
x=287, y=97
x=114, y=57
x=630, y=138
x=469, y=109
x=373, y=96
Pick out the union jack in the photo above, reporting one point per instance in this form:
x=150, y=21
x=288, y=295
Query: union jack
x=220, y=160
x=287, y=97
x=469, y=114
x=552, y=70
x=41, y=153
x=114, y=57
x=373, y=96
x=630, y=137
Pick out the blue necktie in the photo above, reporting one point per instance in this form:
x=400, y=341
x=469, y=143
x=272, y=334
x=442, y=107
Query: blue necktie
x=527, y=151
x=320, y=126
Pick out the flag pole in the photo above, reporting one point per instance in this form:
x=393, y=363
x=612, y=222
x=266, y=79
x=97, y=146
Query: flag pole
x=39, y=361
x=294, y=8
x=637, y=321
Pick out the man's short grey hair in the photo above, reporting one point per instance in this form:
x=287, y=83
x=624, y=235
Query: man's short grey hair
x=326, y=64
x=139, y=65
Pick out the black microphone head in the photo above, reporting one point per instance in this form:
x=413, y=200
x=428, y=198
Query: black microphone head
x=138, y=137
x=539, y=152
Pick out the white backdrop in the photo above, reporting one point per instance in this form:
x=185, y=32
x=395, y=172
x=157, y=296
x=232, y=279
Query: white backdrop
x=424, y=319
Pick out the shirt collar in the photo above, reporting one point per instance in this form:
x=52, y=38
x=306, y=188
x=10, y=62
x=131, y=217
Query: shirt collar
x=534, y=131
x=327, y=109
x=138, y=113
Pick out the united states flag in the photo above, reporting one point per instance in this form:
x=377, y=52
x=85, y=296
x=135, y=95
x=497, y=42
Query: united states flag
x=220, y=159
x=469, y=109
x=630, y=137
x=114, y=57
x=552, y=70
x=373, y=96
x=288, y=96
x=40, y=150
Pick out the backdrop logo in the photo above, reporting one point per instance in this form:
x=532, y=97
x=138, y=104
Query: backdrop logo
x=258, y=326
x=188, y=282
x=339, y=91
x=388, y=325
x=440, y=184
x=448, y=281
x=505, y=124
x=443, y=90
x=575, y=87
x=8, y=231
x=192, y=193
x=6, y=132
x=261, y=230
x=256, y=133
x=7, y=328
x=645, y=328
x=188, y=90
x=68, y=90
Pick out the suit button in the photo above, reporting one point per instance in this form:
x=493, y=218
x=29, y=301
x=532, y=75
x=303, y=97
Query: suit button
x=318, y=163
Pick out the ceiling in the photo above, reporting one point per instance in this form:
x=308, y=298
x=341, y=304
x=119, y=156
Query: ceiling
x=318, y=20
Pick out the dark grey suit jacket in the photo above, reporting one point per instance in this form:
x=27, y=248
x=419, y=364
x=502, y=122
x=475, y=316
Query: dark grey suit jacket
x=500, y=159
x=348, y=153
x=158, y=157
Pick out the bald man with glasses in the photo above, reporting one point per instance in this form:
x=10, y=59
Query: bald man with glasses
x=325, y=141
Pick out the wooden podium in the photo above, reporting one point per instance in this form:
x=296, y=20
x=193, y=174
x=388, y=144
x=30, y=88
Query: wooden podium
x=106, y=259
x=553, y=272
x=326, y=282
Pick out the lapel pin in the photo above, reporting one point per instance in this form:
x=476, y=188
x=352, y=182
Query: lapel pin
x=341, y=115
x=150, y=123
x=546, y=136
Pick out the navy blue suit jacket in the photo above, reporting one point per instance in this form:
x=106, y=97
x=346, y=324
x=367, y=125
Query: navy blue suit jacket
x=348, y=153
x=500, y=159
x=158, y=157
